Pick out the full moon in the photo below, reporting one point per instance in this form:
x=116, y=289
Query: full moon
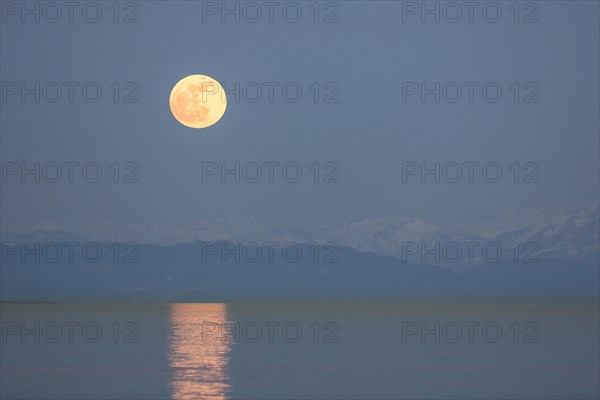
x=198, y=101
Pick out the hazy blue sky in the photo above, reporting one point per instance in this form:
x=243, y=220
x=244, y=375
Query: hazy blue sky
x=368, y=55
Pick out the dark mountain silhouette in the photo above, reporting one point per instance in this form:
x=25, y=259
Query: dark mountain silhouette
x=183, y=273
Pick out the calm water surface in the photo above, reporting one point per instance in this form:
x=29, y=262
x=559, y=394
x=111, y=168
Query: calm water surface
x=251, y=351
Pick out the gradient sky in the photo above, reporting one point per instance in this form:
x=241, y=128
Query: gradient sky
x=368, y=54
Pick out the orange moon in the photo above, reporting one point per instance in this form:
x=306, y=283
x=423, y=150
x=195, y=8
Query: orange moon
x=198, y=101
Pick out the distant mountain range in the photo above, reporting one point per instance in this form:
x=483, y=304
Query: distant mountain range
x=365, y=263
x=561, y=233
x=184, y=273
x=558, y=233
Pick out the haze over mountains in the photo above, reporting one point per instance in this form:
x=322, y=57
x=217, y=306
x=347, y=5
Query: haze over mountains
x=565, y=232
x=363, y=261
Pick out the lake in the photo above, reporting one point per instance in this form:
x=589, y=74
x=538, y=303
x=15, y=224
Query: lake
x=299, y=351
